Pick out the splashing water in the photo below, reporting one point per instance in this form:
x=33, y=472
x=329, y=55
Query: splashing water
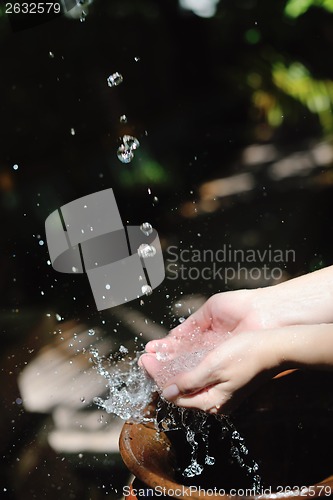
x=130, y=388
x=194, y=423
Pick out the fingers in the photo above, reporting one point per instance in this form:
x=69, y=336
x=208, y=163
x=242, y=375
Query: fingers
x=201, y=319
x=150, y=363
x=191, y=382
x=212, y=399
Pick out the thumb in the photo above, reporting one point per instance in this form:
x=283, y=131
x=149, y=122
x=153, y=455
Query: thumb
x=190, y=382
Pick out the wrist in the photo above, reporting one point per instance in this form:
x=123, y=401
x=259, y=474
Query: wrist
x=303, y=300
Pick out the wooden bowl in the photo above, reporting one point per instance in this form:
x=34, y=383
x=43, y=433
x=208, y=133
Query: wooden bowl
x=287, y=426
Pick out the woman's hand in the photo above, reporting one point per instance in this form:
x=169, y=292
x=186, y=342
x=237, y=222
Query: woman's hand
x=239, y=363
x=224, y=376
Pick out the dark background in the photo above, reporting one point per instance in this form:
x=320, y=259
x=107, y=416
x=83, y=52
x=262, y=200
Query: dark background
x=197, y=93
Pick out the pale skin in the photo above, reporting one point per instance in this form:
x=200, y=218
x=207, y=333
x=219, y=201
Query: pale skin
x=289, y=325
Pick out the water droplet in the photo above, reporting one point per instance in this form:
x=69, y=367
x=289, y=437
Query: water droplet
x=107, y=286
x=123, y=119
x=155, y=199
x=72, y=131
x=137, y=59
x=41, y=243
x=131, y=142
x=58, y=317
x=83, y=16
x=94, y=352
x=178, y=305
x=125, y=155
x=114, y=80
x=181, y=320
x=145, y=251
x=91, y=332
x=82, y=399
x=51, y=55
x=146, y=228
x=123, y=349
x=74, y=269
x=146, y=290
x=15, y=167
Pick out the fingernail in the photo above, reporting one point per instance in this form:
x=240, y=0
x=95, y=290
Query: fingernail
x=170, y=392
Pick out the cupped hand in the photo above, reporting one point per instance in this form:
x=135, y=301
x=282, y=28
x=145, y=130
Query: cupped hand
x=223, y=377
x=227, y=312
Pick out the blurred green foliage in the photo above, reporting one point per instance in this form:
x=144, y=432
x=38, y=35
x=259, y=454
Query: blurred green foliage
x=317, y=95
x=147, y=171
x=295, y=8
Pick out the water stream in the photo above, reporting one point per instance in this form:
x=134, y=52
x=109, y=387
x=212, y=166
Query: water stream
x=131, y=390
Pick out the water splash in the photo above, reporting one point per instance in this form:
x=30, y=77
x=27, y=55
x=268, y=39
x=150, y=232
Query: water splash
x=130, y=388
x=194, y=424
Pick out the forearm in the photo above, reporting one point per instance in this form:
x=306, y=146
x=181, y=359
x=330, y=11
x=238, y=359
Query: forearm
x=307, y=299
x=308, y=346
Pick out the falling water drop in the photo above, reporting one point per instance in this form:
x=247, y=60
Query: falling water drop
x=125, y=155
x=131, y=142
x=115, y=79
x=123, y=119
x=146, y=290
x=146, y=228
x=145, y=251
